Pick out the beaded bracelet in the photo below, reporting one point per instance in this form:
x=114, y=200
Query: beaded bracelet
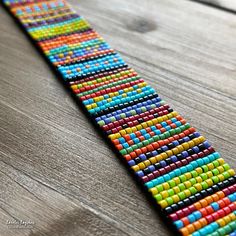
x=186, y=177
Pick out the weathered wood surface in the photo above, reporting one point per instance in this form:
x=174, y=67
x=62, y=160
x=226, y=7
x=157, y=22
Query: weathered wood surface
x=229, y=5
x=56, y=171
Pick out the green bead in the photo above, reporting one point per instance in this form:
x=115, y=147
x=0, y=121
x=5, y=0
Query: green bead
x=182, y=178
x=181, y=186
x=162, y=136
x=193, y=190
x=205, y=168
x=178, y=130
x=215, y=172
x=172, y=132
x=194, y=173
x=215, y=163
x=159, y=188
x=123, y=152
x=156, y=138
x=101, y=122
x=172, y=183
x=139, y=145
x=181, y=195
x=158, y=197
x=203, y=176
x=226, y=175
x=204, y=185
x=193, y=181
x=171, y=192
x=167, y=134
x=169, y=200
x=129, y=149
x=226, y=166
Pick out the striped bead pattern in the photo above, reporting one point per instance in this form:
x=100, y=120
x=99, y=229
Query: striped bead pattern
x=190, y=182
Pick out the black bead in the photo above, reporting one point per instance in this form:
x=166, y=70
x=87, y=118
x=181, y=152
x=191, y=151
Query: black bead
x=174, y=207
x=157, y=166
x=181, y=204
x=180, y=141
x=159, y=150
x=149, y=154
x=187, y=202
x=191, y=136
x=168, y=210
x=170, y=145
x=168, y=161
x=192, y=199
x=201, y=147
x=140, y=120
x=198, y=196
x=137, y=160
x=179, y=156
x=109, y=132
x=204, y=193
x=210, y=191
x=215, y=188
x=190, y=152
x=146, y=171
x=124, y=126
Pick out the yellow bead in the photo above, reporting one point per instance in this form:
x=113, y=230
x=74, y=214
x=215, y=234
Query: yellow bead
x=141, y=166
x=176, y=189
x=135, y=168
x=164, y=194
x=175, y=198
x=169, y=153
x=164, y=155
x=153, y=160
x=153, y=191
x=147, y=163
x=166, y=186
x=198, y=187
x=163, y=204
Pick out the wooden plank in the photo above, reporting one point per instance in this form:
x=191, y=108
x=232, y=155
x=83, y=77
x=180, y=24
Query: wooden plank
x=55, y=168
x=223, y=4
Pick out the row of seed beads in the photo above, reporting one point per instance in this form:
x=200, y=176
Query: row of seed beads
x=192, y=184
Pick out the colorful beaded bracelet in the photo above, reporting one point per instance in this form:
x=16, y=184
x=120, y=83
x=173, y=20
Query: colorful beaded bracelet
x=192, y=185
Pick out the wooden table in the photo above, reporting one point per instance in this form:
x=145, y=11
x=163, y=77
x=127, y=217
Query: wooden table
x=56, y=172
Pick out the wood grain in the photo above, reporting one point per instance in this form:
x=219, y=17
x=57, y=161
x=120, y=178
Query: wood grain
x=56, y=170
x=229, y=5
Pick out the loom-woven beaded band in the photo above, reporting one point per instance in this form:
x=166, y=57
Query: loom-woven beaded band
x=188, y=179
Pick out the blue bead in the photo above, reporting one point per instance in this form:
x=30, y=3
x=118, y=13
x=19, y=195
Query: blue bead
x=184, y=154
x=131, y=163
x=142, y=157
x=174, y=158
x=149, y=184
x=163, y=163
x=179, y=224
x=191, y=218
x=195, y=149
x=151, y=168
x=139, y=173
x=197, y=215
x=215, y=206
x=206, y=144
